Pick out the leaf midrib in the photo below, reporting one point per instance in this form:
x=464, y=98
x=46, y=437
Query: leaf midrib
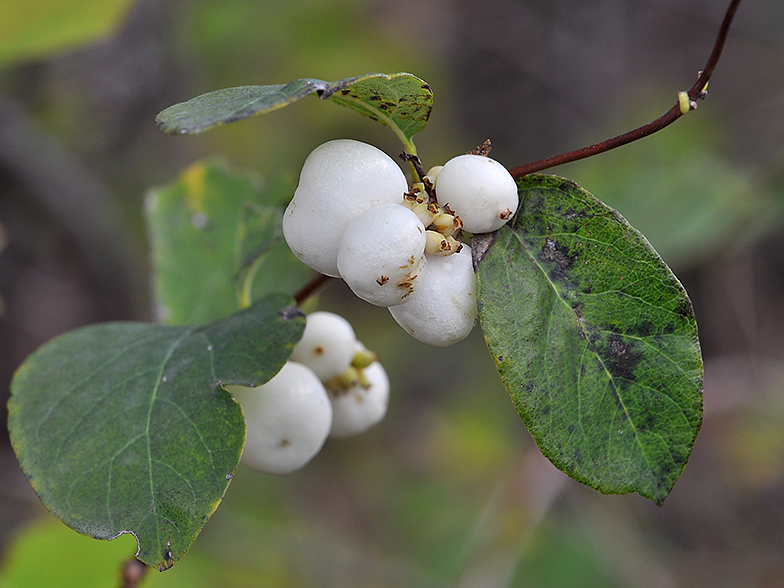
x=589, y=345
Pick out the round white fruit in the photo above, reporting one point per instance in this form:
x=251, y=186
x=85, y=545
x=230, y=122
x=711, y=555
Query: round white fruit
x=480, y=191
x=382, y=254
x=357, y=409
x=287, y=420
x=442, y=310
x=327, y=345
x=339, y=180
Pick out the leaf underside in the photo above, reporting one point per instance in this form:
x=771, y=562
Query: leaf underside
x=595, y=340
x=125, y=428
x=401, y=101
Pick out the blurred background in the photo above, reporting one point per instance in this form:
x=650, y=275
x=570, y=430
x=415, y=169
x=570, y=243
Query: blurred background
x=449, y=490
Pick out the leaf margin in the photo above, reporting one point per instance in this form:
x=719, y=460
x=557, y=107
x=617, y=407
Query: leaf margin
x=164, y=556
x=255, y=100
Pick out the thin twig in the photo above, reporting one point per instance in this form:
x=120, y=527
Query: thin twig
x=666, y=119
x=310, y=288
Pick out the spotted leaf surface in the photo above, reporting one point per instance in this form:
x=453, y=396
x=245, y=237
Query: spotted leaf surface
x=595, y=340
x=400, y=101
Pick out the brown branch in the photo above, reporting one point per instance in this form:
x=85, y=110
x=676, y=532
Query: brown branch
x=133, y=571
x=696, y=92
x=310, y=288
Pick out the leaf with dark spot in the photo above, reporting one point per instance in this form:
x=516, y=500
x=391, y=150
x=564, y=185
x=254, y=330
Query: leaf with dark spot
x=606, y=369
x=400, y=101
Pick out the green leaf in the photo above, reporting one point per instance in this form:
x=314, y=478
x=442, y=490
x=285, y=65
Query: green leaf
x=232, y=104
x=595, y=339
x=401, y=101
x=217, y=245
x=125, y=428
x=32, y=28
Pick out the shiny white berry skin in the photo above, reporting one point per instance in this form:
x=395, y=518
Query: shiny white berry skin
x=442, y=310
x=287, y=420
x=381, y=254
x=327, y=345
x=480, y=191
x=357, y=409
x=339, y=180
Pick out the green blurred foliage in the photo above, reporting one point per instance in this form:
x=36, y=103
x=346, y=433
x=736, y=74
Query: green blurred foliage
x=217, y=245
x=99, y=560
x=677, y=189
x=562, y=557
x=32, y=28
x=246, y=42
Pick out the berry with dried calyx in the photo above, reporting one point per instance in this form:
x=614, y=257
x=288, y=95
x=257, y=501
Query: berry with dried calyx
x=442, y=310
x=479, y=190
x=361, y=405
x=382, y=254
x=447, y=224
x=437, y=244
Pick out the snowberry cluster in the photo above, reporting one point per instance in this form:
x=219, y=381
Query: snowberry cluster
x=332, y=386
x=353, y=216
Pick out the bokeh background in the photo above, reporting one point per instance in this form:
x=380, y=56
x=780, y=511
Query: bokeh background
x=449, y=490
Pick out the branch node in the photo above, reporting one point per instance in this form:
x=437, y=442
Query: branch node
x=704, y=91
x=683, y=102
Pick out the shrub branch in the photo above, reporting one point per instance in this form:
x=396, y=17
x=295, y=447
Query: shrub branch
x=696, y=92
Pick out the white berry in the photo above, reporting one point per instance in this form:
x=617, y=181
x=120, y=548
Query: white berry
x=287, y=420
x=381, y=254
x=327, y=345
x=339, y=180
x=442, y=310
x=357, y=409
x=480, y=191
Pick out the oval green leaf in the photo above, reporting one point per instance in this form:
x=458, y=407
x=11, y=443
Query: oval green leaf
x=125, y=428
x=232, y=104
x=595, y=340
x=401, y=101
